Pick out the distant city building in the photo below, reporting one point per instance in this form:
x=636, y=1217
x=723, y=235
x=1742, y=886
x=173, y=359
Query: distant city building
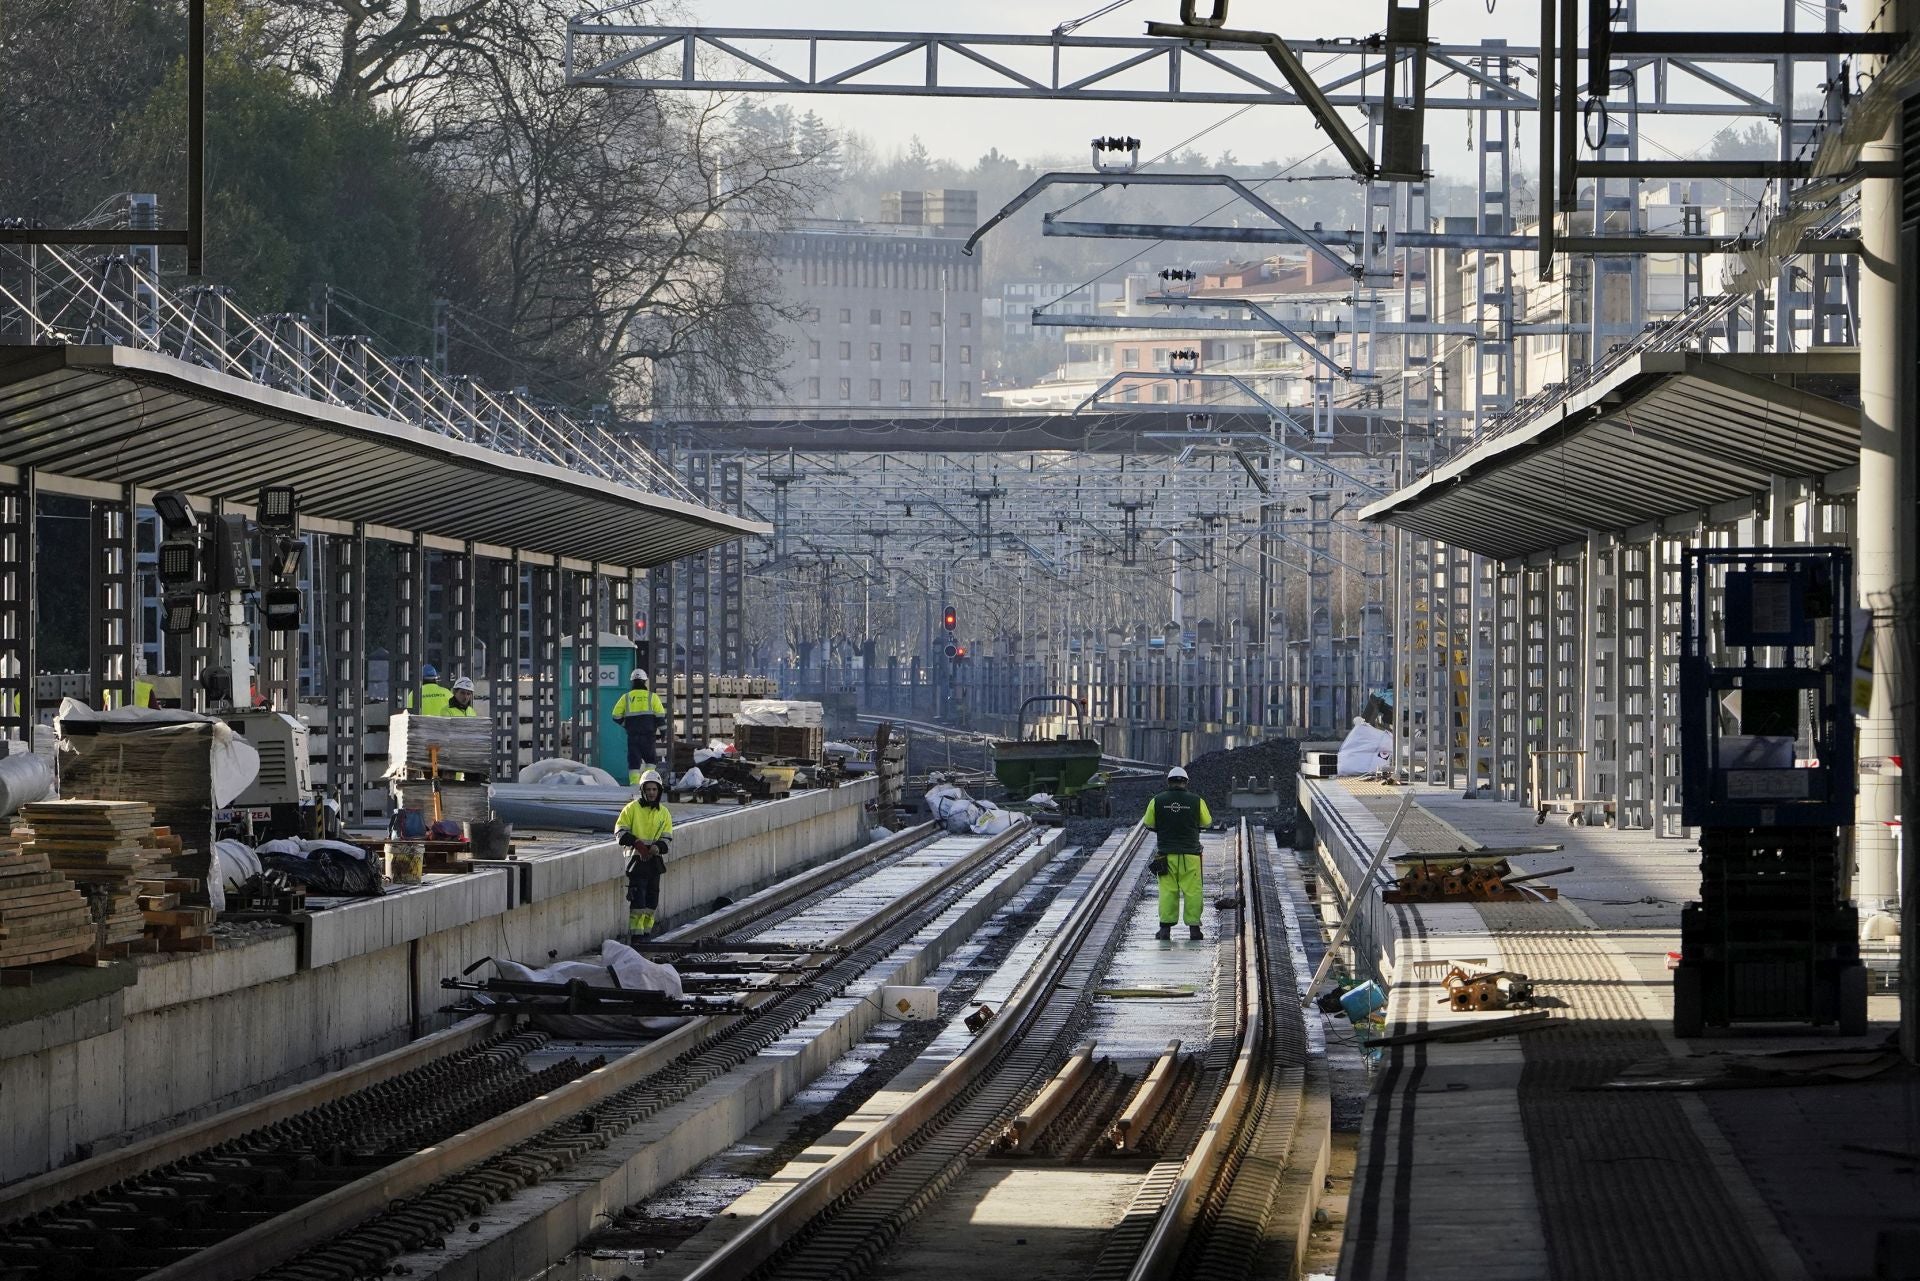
x=1018, y=299
x=891, y=316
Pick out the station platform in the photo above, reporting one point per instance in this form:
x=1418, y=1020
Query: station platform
x=92, y=1059
x=1597, y=1146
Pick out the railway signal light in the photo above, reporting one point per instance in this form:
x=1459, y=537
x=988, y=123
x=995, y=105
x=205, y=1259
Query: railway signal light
x=950, y=620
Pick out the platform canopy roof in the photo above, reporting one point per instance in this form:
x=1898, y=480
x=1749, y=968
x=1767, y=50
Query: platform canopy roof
x=1663, y=435
x=123, y=416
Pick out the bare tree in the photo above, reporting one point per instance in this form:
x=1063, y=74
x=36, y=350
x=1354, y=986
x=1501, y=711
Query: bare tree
x=608, y=236
x=403, y=53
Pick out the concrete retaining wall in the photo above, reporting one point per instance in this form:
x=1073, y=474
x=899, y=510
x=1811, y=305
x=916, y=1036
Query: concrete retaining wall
x=198, y=1033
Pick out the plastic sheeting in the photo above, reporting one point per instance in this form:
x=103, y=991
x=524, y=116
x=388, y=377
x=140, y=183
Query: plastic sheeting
x=233, y=763
x=780, y=711
x=960, y=814
x=619, y=966
x=24, y=779
x=234, y=864
x=561, y=772
x=327, y=868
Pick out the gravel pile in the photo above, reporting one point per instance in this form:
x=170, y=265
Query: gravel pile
x=1213, y=775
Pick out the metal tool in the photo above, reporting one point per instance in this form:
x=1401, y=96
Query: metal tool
x=1494, y=990
x=1469, y=876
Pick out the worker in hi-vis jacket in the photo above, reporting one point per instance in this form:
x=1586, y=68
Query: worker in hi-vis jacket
x=639, y=712
x=644, y=829
x=1176, y=817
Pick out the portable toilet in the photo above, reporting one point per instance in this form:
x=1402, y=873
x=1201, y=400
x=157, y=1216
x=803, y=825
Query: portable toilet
x=616, y=664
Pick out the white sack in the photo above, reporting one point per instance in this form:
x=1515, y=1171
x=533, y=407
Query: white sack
x=1365, y=750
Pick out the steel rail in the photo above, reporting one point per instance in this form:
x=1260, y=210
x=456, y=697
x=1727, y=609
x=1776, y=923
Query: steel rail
x=746, y=911
x=69, y=1183
x=1161, y=1254
x=846, y=1174
x=57, y=1187
x=1218, y=1221
x=269, y=1243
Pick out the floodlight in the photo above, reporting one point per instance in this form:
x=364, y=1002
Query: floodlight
x=180, y=561
x=279, y=508
x=182, y=612
x=176, y=510
x=280, y=609
x=285, y=558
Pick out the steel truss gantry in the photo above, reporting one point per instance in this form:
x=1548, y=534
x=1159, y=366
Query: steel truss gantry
x=1687, y=77
x=1493, y=662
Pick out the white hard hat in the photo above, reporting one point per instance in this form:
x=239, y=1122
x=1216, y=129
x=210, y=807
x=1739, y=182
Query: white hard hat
x=652, y=776
x=464, y=684
x=638, y=675
x=1176, y=772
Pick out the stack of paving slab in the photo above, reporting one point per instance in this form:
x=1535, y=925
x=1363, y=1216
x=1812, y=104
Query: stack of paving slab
x=126, y=867
x=724, y=696
x=43, y=915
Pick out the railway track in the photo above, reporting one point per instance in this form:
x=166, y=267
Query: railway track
x=337, y=1188
x=1222, y=1119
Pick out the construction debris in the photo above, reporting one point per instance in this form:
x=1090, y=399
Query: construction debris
x=1497, y=990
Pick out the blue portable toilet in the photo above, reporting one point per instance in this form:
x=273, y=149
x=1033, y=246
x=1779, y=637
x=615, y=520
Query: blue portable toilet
x=616, y=664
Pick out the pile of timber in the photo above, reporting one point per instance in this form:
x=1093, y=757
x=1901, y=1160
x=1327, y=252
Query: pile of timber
x=125, y=865
x=43, y=917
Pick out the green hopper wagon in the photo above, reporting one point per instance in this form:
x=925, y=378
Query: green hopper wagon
x=1066, y=768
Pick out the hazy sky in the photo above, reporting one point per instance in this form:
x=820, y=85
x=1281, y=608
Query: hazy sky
x=964, y=128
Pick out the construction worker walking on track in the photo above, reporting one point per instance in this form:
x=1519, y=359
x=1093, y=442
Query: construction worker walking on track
x=644, y=829
x=639, y=711
x=1176, y=817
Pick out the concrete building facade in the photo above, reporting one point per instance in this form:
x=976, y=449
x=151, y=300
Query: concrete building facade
x=891, y=315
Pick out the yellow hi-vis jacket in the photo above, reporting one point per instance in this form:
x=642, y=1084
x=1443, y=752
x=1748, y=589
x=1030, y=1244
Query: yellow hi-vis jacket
x=648, y=823
x=638, y=702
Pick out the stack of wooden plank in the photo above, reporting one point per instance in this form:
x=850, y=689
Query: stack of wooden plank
x=172, y=922
x=43, y=917
x=126, y=866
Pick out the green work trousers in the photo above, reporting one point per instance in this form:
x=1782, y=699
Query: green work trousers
x=1181, y=881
